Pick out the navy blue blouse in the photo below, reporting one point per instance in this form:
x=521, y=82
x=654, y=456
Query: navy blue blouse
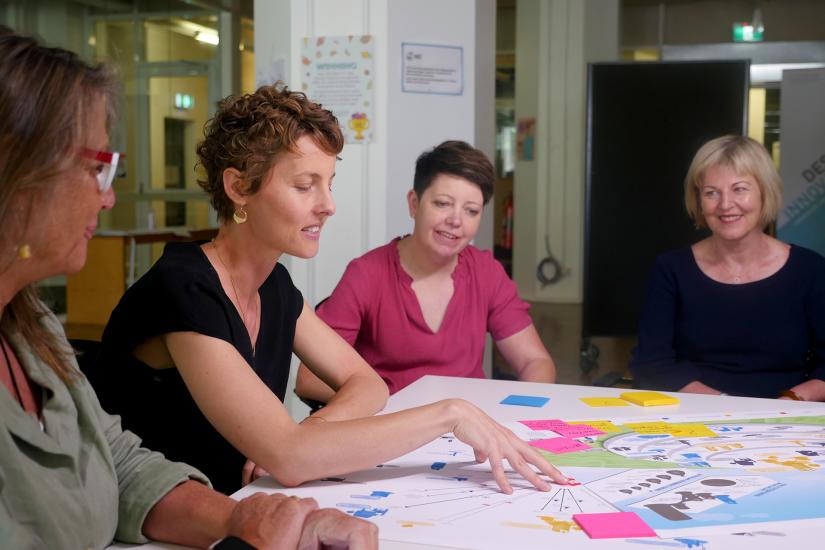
x=754, y=339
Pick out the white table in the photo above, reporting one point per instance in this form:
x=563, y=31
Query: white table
x=564, y=400
x=565, y=404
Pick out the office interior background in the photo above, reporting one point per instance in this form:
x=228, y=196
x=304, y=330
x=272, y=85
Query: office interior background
x=523, y=101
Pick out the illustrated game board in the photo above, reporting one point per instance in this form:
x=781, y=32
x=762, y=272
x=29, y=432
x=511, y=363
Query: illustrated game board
x=699, y=483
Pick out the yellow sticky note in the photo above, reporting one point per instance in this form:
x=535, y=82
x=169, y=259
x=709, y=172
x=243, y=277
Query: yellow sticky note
x=649, y=427
x=649, y=398
x=690, y=430
x=604, y=401
x=604, y=425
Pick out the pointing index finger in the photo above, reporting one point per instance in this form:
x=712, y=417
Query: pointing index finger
x=499, y=476
x=536, y=459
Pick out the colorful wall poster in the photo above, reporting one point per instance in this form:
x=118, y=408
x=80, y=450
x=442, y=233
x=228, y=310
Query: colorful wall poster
x=337, y=72
x=526, y=138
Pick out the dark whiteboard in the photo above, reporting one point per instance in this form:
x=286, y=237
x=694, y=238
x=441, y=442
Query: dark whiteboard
x=645, y=121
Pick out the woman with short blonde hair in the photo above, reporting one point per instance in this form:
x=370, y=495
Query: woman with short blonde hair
x=739, y=312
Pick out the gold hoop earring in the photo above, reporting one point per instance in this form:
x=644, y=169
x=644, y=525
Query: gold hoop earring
x=240, y=216
x=24, y=252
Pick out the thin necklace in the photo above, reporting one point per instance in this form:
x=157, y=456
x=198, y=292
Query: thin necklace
x=11, y=373
x=237, y=299
x=745, y=273
x=737, y=277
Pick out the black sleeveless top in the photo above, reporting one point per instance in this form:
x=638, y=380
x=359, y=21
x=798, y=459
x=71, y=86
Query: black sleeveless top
x=182, y=293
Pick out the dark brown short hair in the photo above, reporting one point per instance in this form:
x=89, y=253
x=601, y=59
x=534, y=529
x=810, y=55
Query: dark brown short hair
x=456, y=158
x=45, y=95
x=249, y=131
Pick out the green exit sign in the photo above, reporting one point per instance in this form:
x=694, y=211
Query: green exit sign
x=745, y=32
x=184, y=101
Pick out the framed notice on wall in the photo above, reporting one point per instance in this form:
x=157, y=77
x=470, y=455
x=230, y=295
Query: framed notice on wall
x=432, y=69
x=337, y=72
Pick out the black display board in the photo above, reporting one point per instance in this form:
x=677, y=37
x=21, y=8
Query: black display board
x=645, y=122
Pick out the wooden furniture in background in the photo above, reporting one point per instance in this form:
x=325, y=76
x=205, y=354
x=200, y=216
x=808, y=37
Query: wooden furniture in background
x=93, y=292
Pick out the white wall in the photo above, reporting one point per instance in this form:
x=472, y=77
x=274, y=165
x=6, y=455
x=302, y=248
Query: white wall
x=420, y=121
x=372, y=180
x=485, y=98
x=555, y=39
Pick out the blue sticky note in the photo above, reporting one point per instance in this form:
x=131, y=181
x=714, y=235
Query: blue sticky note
x=525, y=400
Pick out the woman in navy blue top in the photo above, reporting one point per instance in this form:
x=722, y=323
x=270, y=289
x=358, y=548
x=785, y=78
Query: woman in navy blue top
x=739, y=312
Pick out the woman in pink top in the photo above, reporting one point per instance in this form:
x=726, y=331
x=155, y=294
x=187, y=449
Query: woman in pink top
x=424, y=303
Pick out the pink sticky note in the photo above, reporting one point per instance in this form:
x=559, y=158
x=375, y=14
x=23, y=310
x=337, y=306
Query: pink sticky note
x=544, y=424
x=559, y=445
x=562, y=428
x=613, y=525
x=577, y=430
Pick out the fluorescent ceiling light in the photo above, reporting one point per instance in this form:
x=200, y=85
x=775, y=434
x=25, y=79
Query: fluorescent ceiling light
x=772, y=72
x=207, y=37
x=199, y=32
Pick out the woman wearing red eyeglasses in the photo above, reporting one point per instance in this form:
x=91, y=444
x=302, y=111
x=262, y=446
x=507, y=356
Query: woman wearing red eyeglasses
x=70, y=477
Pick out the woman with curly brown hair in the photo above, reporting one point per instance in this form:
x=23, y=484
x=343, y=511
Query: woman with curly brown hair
x=196, y=355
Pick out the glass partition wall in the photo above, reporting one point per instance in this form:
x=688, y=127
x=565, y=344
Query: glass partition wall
x=175, y=60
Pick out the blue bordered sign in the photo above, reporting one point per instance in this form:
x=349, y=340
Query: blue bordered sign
x=432, y=69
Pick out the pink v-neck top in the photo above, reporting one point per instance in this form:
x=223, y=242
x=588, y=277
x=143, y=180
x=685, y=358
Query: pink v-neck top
x=375, y=309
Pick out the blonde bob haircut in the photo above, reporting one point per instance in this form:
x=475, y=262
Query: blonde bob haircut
x=746, y=157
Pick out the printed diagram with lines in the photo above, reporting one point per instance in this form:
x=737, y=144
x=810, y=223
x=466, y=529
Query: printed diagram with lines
x=755, y=447
x=457, y=499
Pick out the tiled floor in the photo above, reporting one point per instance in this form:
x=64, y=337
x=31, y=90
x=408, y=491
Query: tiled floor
x=559, y=326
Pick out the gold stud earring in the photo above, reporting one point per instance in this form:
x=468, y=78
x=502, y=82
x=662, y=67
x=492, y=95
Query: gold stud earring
x=24, y=252
x=240, y=216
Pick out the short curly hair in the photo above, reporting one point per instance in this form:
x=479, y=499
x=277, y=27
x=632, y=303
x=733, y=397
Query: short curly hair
x=249, y=131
